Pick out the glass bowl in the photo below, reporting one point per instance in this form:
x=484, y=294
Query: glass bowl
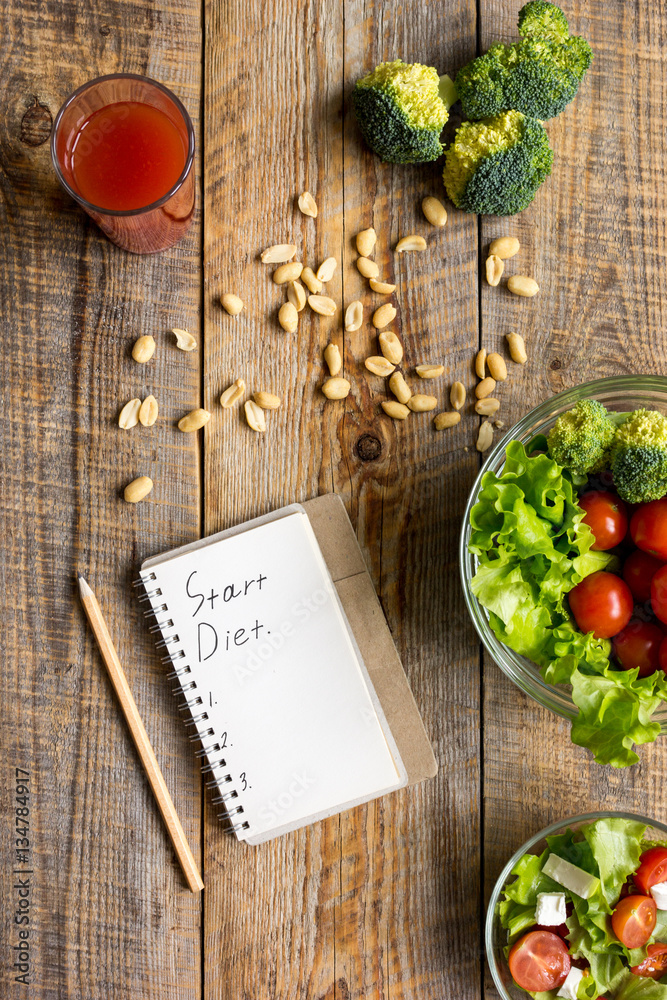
x=622, y=393
x=495, y=935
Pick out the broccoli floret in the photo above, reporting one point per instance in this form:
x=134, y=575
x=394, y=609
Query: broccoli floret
x=581, y=437
x=538, y=76
x=401, y=109
x=494, y=167
x=639, y=457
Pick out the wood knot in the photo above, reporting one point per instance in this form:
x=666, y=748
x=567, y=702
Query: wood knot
x=36, y=124
x=104, y=30
x=556, y=364
x=368, y=447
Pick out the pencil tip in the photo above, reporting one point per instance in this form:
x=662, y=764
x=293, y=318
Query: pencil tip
x=84, y=587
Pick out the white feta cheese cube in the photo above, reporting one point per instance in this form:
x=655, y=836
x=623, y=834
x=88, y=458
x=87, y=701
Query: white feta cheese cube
x=569, y=987
x=659, y=893
x=550, y=911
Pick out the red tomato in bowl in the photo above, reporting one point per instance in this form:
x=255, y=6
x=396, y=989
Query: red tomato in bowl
x=654, y=965
x=634, y=919
x=638, y=645
x=601, y=604
x=638, y=571
x=648, y=528
x=659, y=594
x=606, y=516
x=652, y=869
x=539, y=961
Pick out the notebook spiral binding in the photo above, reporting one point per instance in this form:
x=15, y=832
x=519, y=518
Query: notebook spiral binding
x=190, y=705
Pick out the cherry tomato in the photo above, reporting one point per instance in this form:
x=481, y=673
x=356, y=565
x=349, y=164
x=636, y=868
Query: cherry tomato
x=659, y=594
x=606, y=516
x=638, y=645
x=539, y=961
x=601, y=604
x=633, y=920
x=654, y=965
x=652, y=869
x=638, y=571
x=648, y=528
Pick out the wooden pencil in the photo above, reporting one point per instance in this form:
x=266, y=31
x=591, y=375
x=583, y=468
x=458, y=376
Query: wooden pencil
x=140, y=736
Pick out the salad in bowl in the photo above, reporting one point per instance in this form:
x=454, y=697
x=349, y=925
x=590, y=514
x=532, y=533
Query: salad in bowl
x=564, y=560
x=580, y=912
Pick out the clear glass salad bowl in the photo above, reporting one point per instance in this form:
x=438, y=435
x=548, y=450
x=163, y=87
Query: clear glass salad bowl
x=622, y=394
x=495, y=935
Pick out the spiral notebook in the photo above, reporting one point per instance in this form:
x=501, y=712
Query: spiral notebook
x=288, y=679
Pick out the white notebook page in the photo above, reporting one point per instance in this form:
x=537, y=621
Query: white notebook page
x=269, y=650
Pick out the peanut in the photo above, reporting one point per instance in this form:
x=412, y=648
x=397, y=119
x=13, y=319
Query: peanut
x=354, y=316
x=420, y=402
x=430, y=371
x=148, y=411
x=379, y=366
x=487, y=406
x=322, y=304
x=485, y=436
x=266, y=400
x=381, y=287
x=505, y=247
x=288, y=317
x=396, y=410
x=383, y=316
x=336, y=388
x=296, y=294
x=312, y=283
x=485, y=387
x=517, y=348
x=444, y=419
x=391, y=347
x=399, y=387
x=457, y=395
x=288, y=272
x=307, y=204
x=494, y=270
x=232, y=304
x=434, y=211
x=231, y=394
x=367, y=268
x=184, y=340
x=325, y=271
x=365, y=241
x=480, y=363
x=143, y=349
x=278, y=254
x=194, y=420
x=411, y=243
x=254, y=415
x=138, y=489
x=129, y=415
x=497, y=367
x=333, y=359
x=520, y=284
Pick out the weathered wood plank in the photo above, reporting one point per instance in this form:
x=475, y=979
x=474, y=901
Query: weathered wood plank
x=364, y=903
x=110, y=913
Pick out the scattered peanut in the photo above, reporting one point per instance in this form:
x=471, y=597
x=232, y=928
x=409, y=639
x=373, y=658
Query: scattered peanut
x=497, y=367
x=184, y=340
x=505, y=247
x=366, y=240
x=287, y=272
x=266, y=400
x=499, y=423
x=444, y=420
x=231, y=303
x=143, y=349
x=519, y=284
x=194, y=420
x=399, y=387
x=485, y=436
x=354, y=316
x=254, y=415
x=322, y=304
x=396, y=410
x=279, y=253
x=411, y=243
x=129, y=415
x=430, y=371
x=381, y=287
x=517, y=348
x=148, y=411
x=325, y=271
x=379, y=366
x=434, y=211
x=232, y=394
x=312, y=283
x=367, y=268
x=485, y=387
x=336, y=388
x=307, y=204
x=288, y=317
x=420, y=402
x=457, y=395
x=296, y=294
x=333, y=358
x=487, y=406
x=383, y=316
x=480, y=363
x=391, y=347
x=494, y=270
x=138, y=489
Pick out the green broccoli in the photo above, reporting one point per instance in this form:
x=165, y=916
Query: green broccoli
x=580, y=439
x=494, y=167
x=639, y=457
x=401, y=109
x=538, y=75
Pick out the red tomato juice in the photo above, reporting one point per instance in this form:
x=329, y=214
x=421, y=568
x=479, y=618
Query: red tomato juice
x=127, y=155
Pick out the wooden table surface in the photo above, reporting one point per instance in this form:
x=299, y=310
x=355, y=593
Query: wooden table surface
x=386, y=900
